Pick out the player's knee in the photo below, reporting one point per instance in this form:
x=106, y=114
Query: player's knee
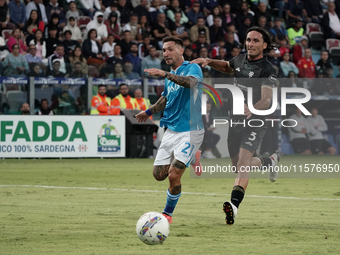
x=160, y=172
x=174, y=178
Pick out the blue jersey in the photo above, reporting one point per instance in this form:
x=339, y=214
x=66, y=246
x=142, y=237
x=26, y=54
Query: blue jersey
x=182, y=112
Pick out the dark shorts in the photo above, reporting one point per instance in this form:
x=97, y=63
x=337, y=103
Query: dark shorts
x=319, y=146
x=248, y=138
x=300, y=145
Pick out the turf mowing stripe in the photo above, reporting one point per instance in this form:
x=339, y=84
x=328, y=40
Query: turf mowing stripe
x=158, y=191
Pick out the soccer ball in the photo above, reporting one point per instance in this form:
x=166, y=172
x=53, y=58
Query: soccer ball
x=152, y=228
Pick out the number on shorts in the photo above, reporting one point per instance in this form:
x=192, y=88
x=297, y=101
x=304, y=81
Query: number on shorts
x=186, y=148
x=253, y=136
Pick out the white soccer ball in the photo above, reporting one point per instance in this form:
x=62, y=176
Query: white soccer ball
x=152, y=228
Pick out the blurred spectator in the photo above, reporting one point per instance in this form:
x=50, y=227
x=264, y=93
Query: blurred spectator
x=59, y=54
x=186, y=42
x=172, y=9
x=307, y=66
x=314, y=10
x=142, y=9
x=231, y=43
x=97, y=24
x=5, y=16
x=324, y=63
x=295, y=32
x=160, y=29
x=227, y=16
x=52, y=41
x=197, y=29
x=123, y=100
x=112, y=25
x=331, y=22
x=118, y=72
x=93, y=51
x=283, y=46
x=126, y=43
x=210, y=139
x=133, y=58
x=242, y=15
x=207, y=6
x=299, y=49
x=262, y=22
x=16, y=39
x=287, y=66
x=44, y=108
x=154, y=10
x=195, y=13
x=51, y=8
x=178, y=29
x=78, y=71
x=142, y=102
x=220, y=44
x=242, y=30
x=273, y=60
x=17, y=11
x=295, y=10
x=31, y=25
x=36, y=5
x=25, y=109
x=279, y=32
x=117, y=56
x=232, y=29
x=69, y=44
x=112, y=8
x=318, y=86
x=72, y=12
x=90, y=7
x=188, y=54
x=261, y=10
x=216, y=30
x=150, y=61
x=210, y=19
x=65, y=104
x=54, y=21
x=222, y=53
x=100, y=104
x=15, y=63
x=298, y=134
x=40, y=44
x=77, y=57
x=144, y=48
x=108, y=47
x=200, y=43
x=132, y=26
x=129, y=74
x=104, y=4
x=318, y=143
x=125, y=12
x=55, y=72
x=144, y=28
x=36, y=71
x=32, y=58
x=279, y=4
x=75, y=31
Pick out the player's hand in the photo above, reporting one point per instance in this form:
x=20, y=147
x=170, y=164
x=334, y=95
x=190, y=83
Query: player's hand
x=154, y=72
x=203, y=61
x=142, y=116
x=304, y=131
x=247, y=112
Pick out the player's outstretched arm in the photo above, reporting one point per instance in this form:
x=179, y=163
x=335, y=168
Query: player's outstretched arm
x=158, y=106
x=219, y=65
x=184, y=81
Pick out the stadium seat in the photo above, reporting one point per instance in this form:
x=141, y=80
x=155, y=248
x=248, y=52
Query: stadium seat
x=330, y=139
x=335, y=55
x=312, y=27
x=286, y=148
x=83, y=20
x=6, y=33
x=316, y=36
x=330, y=43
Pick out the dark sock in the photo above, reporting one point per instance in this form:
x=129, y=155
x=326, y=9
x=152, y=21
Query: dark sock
x=265, y=162
x=237, y=195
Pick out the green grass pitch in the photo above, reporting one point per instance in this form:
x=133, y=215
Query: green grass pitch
x=57, y=212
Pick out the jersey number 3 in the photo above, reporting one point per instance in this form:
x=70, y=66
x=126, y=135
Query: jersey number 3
x=253, y=136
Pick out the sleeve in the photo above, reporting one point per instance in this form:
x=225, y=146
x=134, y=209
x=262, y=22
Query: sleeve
x=323, y=127
x=97, y=4
x=184, y=18
x=297, y=128
x=85, y=4
x=165, y=91
x=43, y=13
x=171, y=16
x=195, y=71
x=10, y=43
x=295, y=69
x=23, y=17
x=104, y=126
x=28, y=10
x=312, y=129
x=115, y=107
x=24, y=63
x=5, y=63
x=284, y=68
x=301, y=69
x=270, y=79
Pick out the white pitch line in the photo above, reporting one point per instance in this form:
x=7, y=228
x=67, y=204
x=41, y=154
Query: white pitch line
x=159, y=191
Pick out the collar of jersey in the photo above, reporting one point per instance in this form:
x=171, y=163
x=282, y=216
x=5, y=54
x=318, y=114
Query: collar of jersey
x=183, y=64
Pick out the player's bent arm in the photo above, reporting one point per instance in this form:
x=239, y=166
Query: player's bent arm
x=159, y=105
x=219, y=65
x=184, y=81
x=266, y=99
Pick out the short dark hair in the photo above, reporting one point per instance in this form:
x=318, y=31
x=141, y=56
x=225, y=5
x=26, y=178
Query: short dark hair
x=91, y=30
x=172, y=38
x=68, y=31
x=101, y=86
x=266, y=38
x=123, y=84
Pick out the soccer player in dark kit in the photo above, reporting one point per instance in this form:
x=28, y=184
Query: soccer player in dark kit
x=243, y=139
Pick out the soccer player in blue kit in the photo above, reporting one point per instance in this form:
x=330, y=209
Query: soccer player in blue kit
x=181, y=101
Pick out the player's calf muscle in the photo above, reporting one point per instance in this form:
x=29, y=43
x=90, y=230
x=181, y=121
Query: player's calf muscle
x=161, y=172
